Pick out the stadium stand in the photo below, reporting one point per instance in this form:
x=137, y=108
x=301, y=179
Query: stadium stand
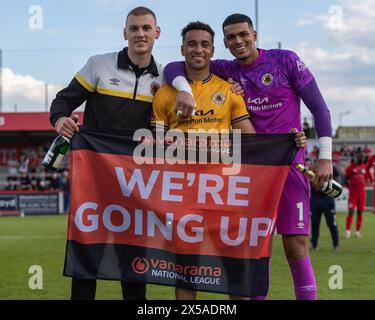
x=25, y=137
x=24, y=184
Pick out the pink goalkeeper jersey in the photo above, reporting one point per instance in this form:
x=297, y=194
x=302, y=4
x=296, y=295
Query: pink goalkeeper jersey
x=272, y=84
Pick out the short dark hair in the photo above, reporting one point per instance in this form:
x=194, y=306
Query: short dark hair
x=140, y=11
x=237, y=18
x=197, y=26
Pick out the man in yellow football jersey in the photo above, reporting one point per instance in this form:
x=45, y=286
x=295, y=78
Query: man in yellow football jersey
x=217, y=106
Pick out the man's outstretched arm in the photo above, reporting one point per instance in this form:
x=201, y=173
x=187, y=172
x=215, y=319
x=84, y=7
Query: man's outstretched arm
x=174, y=74
x=314, y=101
x=70, y=98
x=66, y=101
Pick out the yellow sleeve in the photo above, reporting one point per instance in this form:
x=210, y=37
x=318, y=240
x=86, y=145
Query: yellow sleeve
x=239, y=111
x=86, y=76
x=160, y=106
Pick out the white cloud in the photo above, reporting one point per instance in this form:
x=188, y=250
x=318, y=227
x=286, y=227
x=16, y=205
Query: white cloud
x=346, y=75
x=357, y=97
x=347, y=82
x=359, y=100
x=340, y=67
x=24, y=93
x=310, y=20
x=350, y=23
x=347, y=114
x=321, y=59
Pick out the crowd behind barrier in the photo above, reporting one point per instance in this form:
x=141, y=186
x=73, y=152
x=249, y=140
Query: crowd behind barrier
x=342, y=157
x=25, y=173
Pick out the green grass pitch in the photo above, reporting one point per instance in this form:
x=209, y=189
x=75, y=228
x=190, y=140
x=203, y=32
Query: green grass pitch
x=41, y=241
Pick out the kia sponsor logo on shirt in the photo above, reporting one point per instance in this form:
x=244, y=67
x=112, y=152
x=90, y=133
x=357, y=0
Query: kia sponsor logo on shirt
x=262, y=104
x=258, y=101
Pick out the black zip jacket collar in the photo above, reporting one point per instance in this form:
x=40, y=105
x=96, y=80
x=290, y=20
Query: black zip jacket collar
x=125, y=63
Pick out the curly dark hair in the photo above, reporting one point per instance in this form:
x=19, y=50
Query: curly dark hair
x=197, y=26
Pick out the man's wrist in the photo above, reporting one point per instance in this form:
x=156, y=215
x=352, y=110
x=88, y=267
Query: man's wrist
x=325, y=148
x=181, y=84
x=58, y=120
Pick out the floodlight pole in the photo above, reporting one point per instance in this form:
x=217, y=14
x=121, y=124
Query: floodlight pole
x=341, y=115
x=257, y=21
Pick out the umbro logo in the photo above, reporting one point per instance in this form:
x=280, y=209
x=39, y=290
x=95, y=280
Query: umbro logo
x=114, y=81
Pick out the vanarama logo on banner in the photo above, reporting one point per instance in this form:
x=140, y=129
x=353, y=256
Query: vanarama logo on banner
x=170, y=270
x=140, y=265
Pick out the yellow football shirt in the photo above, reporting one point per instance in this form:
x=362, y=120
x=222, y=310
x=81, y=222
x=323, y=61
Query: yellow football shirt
x=217, y=107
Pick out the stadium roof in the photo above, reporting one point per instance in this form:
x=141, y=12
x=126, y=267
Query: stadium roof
x=27, y=122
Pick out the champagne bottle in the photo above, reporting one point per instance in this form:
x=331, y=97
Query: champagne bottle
x=57, y=150
x=333, y=192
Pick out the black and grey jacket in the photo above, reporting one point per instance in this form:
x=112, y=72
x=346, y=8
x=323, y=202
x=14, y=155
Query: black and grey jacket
x=118, y=94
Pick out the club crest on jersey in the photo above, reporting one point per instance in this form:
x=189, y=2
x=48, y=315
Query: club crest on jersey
x=154, y=88
x=267, y=79
x=219, y=98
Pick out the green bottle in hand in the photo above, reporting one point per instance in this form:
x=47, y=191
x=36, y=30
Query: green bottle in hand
x=57, y=150
x=333, y=192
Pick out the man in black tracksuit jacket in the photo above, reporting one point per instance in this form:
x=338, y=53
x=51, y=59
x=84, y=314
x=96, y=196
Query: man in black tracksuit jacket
x=118, y=89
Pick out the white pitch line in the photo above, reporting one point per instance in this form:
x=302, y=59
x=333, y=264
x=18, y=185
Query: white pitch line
x=29, y=238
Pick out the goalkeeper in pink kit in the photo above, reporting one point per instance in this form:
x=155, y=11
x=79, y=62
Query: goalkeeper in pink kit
x=274, y=82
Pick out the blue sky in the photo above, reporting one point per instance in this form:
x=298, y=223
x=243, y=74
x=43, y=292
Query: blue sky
x=341, y=57
x=74, y=30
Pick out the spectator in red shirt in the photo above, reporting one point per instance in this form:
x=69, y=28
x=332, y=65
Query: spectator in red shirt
x=336, y=153
x=371, y=163
x=367, y=150
x=314, y=152
x=356, y=173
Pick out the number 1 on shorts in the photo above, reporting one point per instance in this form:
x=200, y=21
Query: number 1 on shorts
x=300, y=208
